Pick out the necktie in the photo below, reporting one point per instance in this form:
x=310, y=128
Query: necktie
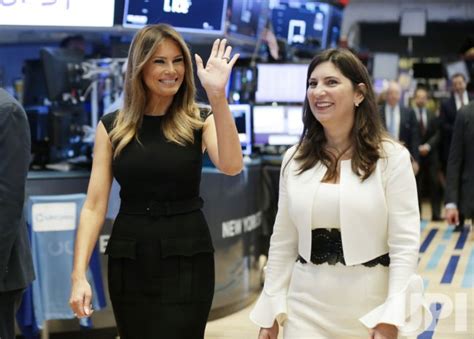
x=422, y=124
x=391, y=126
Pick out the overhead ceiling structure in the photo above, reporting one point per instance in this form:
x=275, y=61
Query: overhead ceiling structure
x=392, y=11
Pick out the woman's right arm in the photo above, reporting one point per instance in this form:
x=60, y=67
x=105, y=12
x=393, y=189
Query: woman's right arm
x=91, y=221
x=271, y=304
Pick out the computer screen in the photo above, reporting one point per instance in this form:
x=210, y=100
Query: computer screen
x=242, y=84
x=428, y=70
x=34, y=90
x=334, y=27
x=206, y=16
x=242, y=117
x=385, y=66
x=301, y=22
x=294, y=118
x=413, y=22
x=285, y=83
x=246, y=19
x=277, y=125
x=67, y=13
x=62, y=71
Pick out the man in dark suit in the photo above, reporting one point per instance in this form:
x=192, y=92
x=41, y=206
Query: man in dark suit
x=16, y=267
x=401, y=122
x=427, y=178
x=448, y=110
x=460, y=170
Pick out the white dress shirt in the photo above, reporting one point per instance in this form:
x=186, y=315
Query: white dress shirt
x=459, y=103
x=422, y=116
x=395, y=129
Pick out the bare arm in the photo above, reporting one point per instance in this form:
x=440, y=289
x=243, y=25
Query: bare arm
x=220, y=134
x=91, y=221
x=222, y=142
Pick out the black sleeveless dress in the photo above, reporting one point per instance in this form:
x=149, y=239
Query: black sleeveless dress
x=161, y=263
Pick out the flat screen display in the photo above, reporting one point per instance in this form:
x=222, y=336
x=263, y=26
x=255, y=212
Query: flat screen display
x=334, y=27
x=385, y=66
x=277, y=125
x=285, y=83
x=246, y=19
x=242, y=118
x=294, y=120
x=185, y=15
x=301, y=22
x=66, y=13
x=61, y=70
x=413, y=22
x=428, y=70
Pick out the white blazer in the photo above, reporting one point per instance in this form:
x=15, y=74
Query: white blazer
x=379, y=215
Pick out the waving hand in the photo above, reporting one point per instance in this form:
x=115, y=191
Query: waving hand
x=215, y=74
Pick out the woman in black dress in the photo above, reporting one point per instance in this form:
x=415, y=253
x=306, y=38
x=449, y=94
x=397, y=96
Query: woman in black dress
x=161, y=265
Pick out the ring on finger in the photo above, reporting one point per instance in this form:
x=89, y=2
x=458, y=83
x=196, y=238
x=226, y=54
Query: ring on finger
x=226, y=58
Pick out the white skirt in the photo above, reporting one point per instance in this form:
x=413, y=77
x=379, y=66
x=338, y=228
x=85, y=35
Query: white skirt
x=326, y=301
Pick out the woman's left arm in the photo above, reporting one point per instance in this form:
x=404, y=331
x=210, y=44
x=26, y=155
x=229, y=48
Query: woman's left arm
x=220, y=135
x=405, y=306
x=403, y=221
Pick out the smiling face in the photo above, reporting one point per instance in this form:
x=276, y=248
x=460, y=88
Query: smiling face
x=331, y=96
x=164, y=72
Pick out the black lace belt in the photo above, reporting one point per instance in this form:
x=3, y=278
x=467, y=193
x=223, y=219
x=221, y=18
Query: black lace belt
x=160, y=208
x=326, y=247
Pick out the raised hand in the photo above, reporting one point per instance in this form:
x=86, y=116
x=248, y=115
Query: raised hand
x=215, y=74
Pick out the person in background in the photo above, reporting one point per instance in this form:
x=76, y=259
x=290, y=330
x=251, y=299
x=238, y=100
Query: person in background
x=401, y=122
x=460, y=170
x=16, y=264
x=427, y=178
x=447, y=115
x=74, y=43
x=161, y=264
x=381, y=99
x=344, y=250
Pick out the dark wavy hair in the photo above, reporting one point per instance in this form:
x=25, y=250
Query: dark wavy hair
x=367, y=132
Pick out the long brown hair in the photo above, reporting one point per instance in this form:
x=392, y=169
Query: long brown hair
x=182, y=117
x=366, y=134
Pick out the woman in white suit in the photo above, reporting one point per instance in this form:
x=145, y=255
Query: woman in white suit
x=344, y=250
